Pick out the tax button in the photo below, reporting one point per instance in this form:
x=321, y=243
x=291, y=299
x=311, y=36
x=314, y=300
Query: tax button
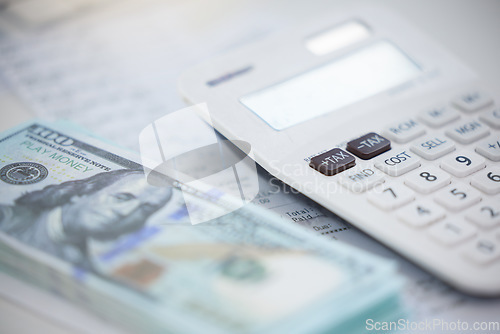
x=333, y=162
x=368, y=146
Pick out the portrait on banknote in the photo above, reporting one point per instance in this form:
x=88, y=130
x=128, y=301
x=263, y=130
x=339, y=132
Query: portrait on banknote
x=60, y=219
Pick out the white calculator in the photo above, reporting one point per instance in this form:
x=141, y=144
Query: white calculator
x=370, y=118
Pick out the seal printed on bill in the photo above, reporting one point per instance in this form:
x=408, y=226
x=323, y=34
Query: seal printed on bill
x=21, y=173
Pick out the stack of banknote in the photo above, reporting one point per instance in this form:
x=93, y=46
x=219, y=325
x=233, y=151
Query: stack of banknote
x=78, y=218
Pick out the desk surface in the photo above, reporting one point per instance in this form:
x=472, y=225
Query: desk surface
x=469, y=29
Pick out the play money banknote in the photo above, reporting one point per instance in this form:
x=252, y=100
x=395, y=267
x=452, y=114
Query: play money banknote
x=79, y=218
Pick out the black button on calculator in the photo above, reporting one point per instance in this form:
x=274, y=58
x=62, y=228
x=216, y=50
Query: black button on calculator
x=368, y=146
x=333, y=162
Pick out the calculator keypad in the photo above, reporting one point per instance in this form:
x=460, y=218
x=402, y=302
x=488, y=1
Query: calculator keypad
x=492, y=118
x=397, y=163
x=421, y=213
x=483, y=251
x=490, y=148
x=450, y=233
x=463, y=163
x=468, y=132
x=427, y=179
x=452, y=167
x=472, y=101
x=457, y=197
x=368, y=146
x=391, y=196
x=433, y=147
x=332, y=162
x=440, y=178
x=487, y=180
x=361, y=178
x=404, y=131
x=486, y=215
x=438, y=116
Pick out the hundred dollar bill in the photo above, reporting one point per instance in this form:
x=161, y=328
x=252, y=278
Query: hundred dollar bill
x=79, y=218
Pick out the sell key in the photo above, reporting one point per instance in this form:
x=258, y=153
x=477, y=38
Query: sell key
x=433, y=147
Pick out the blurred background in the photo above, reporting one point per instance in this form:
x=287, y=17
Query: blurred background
x=112, y=66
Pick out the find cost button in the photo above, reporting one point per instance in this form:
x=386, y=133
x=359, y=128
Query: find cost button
x=368, y=146
x=332, y=162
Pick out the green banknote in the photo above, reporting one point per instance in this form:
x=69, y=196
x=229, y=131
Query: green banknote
x=79, y=218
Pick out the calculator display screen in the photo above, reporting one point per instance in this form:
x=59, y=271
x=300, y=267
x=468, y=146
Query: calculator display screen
x=354, y=77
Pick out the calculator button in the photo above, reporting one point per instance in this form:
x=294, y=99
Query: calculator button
x=483, y=251
x=488, y=180
x=457, y=197
x=360, y=179
x=490, y=148
x=396, y=164
x=450, y=233
x=433, y=147
x=369, y=146
x=438, y=116
x=492, y=118
x=486, y=215
x=468, y=132
x=463, y=163
x=333, y=162
x=427, y=179
x=472, y=101
x=391, y=196
x=404, y=131
x=420, y=213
